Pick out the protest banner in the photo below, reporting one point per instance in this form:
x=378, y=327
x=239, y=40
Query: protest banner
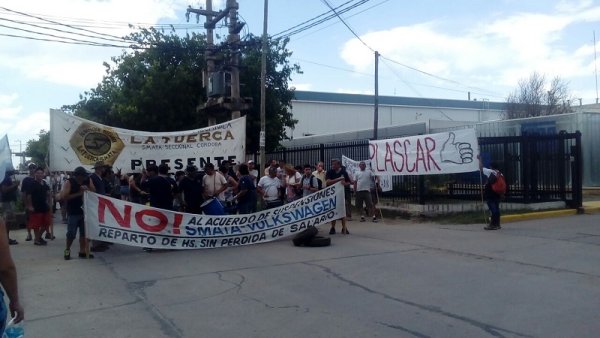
x=113, y=220
x=78, y=142
x=385, y=181
x=5, y=157
x=442, y=153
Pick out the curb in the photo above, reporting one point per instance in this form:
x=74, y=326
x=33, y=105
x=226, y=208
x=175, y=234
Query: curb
x=547, y=214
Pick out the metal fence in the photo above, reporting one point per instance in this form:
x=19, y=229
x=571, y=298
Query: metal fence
x=537, y=168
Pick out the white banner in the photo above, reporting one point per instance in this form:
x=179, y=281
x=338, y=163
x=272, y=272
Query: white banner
x=117, y=221
x=443, y=153
x=5, y=157
x=385, y=181
x=78, y=142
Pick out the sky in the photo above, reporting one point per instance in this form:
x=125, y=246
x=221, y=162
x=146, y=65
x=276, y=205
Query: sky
x=429, y=48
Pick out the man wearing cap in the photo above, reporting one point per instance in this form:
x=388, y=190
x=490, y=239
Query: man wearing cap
x=25, y=185
x=97, y=177
x=72, y=192
x=191, y=188
x=9, y=188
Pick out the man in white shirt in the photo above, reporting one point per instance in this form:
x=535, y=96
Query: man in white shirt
x=253, y=171
x=269, y=188
x=362, y=189
x=214, y=183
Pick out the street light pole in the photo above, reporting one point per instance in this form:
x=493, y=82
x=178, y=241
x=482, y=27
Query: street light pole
x=263, y=83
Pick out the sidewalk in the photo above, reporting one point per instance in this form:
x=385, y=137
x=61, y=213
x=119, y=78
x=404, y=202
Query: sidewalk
x=589, y=207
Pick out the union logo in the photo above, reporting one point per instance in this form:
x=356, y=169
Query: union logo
x=93, y=143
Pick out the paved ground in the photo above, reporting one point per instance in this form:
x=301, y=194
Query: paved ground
x=534, y=278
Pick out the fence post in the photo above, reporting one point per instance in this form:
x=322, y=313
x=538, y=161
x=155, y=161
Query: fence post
x=577, y=172
x=322, y=152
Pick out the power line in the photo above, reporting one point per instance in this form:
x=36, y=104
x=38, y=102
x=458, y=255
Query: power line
x=61, y=30
x=66, y=25
x=345, y=24
x=68, y=42
x=318, y=22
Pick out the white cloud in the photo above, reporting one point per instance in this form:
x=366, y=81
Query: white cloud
x=8, y=110
x=499, y=51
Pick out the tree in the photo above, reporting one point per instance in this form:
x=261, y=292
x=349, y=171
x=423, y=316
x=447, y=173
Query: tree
x=38, y=149
x=159, y=88
x=535, y=98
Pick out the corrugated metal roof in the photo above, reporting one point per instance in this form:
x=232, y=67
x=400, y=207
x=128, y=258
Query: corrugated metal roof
x=395, y=100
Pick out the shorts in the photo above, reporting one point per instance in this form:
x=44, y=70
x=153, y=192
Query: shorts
x=75, y=222
x=3, y=312
x=39, y=220
x=124, y=190
x=364, y=196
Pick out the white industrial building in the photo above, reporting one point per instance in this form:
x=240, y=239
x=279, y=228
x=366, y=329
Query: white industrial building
x=331, y=113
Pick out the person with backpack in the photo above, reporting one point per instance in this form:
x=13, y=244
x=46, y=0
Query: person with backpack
x=310, y=183
x=494, y=189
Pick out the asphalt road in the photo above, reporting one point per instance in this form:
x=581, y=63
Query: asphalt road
x=537, y=278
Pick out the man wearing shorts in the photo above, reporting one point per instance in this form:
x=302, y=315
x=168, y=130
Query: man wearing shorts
x=72, y=192
x=38, y=202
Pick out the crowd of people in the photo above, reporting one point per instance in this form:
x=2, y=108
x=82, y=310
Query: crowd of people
x=237, y=187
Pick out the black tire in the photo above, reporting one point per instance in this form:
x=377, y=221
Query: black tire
x=319, y=241
x=305, y=236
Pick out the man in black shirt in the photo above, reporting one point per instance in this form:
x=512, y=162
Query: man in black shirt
x=38, y=204
x=334, y=175
x=161, y=187
x=191, y=188
x=72, y=193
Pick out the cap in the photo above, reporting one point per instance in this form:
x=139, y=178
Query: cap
x=79, y=171
x=250, y=161
x=32, y=165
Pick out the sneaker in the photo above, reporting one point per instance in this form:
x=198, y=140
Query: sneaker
x=332, y=231
x=67, y=254
x=29, y=238
x=147, y=249
x=375, y=220
x=49, y=236
x=491, y=227
x=362, y=218
x=84, y=255
x=40, y=242
x=12, y=242
x=345, y=232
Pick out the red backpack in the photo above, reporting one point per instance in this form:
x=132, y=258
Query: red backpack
x=499, y=187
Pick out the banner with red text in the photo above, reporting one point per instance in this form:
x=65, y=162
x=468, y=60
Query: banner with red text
x=78, y=142
x=113, y=220
x=442, y=153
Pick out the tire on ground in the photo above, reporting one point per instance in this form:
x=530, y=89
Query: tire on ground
x=303, y=237
x=318, y=241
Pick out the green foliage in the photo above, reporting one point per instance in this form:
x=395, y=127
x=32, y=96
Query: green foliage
x=159, y=88
x=38, y=149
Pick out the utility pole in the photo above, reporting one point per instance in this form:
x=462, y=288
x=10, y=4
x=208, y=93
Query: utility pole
x=263, y=91
x=214, y=79
x=376, y=117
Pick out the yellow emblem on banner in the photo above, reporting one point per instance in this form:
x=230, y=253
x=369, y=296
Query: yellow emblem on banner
x=93, y=143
